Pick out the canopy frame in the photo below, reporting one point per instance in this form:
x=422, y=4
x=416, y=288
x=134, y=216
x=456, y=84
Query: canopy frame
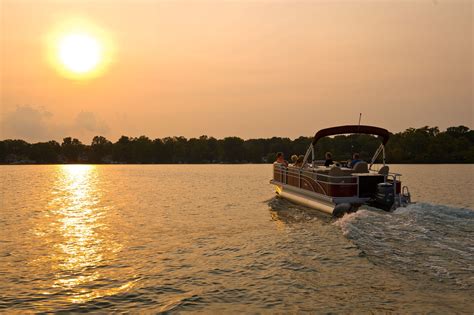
x=353, y=129
x=350, y=129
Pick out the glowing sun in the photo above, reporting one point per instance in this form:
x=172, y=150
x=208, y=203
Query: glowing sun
x=79, y=52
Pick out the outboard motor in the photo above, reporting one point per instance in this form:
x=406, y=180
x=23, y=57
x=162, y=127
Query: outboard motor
x=385, y=196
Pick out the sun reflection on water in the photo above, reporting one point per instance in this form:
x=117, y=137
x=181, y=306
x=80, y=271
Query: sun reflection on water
x=83, y=246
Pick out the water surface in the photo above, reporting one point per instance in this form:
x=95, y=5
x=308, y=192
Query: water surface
x=212, y=238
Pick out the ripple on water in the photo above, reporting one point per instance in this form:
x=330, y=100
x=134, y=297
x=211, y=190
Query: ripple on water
x=206, y=238
x=431, y=241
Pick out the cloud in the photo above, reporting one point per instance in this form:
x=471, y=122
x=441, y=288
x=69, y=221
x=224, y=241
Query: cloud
x=87, y=121
x=26, y=122
x=37, y=124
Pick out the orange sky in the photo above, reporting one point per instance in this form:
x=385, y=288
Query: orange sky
x=243, y=68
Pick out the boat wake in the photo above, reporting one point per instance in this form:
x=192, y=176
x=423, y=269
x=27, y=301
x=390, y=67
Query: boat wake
x=425, y=240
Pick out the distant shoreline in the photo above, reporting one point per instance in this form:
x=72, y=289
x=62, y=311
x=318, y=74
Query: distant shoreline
x=426, y=145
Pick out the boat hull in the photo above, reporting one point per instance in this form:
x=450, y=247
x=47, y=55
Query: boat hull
x=326, y=204
x=305, y=201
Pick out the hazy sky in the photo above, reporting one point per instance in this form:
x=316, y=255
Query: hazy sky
x=240, y=68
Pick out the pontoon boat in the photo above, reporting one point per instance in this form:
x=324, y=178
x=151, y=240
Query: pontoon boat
x=337, y=189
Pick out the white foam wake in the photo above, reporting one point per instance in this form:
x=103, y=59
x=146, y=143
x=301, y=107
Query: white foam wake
x=432, y=240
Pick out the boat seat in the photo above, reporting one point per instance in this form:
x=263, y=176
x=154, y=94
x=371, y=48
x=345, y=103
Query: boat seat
x=384, y=170
x=361, y=167
x=336, y=171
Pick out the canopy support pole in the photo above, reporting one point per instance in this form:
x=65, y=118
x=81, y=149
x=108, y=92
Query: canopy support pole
x=310, y=150
x=381, y=148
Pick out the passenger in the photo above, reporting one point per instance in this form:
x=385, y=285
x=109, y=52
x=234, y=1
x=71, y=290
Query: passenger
x=355, y=159
x=329, y=160
x=299, y=161
x=280, y=158
x=294, y=158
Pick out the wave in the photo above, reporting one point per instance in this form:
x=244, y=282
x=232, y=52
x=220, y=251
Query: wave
x=289, y=212
x=430, y=241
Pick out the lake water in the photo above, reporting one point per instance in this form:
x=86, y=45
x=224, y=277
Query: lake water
x=213, y=238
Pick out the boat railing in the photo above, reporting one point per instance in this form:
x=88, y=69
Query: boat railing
x=283, y=171
x=299, y=177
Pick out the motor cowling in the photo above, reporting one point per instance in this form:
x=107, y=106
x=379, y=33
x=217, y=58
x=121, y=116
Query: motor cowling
x=385, y=196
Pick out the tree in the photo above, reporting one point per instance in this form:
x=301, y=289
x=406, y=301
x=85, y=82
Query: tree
x=142, y=150
x=231, y=150
x=100, y=149
x=121, y=151
x=45, y=152
x=73, y=150
x=414, y=145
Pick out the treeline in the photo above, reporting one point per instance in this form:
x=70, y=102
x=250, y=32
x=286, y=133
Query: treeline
x=422, y=145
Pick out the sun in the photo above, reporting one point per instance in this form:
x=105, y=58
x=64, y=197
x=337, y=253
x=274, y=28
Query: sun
x=79, y=49
x=79, y=52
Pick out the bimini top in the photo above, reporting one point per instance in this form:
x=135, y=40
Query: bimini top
x=370, y=130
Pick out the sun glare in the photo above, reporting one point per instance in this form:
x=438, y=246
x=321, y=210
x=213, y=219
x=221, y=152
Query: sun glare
x=79, y=50
x=79, y=53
